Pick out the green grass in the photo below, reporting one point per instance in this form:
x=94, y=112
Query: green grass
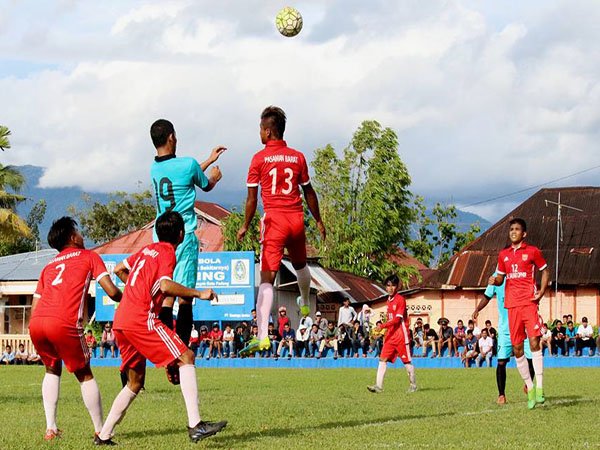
x=292, y=408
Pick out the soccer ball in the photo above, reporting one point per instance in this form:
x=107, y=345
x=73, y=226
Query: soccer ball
x=289, y=21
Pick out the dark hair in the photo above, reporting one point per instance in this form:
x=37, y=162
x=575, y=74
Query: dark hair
x=274, y=119
x=253, y=311
x=488, y=321
x=60, y=232
x=519, y=221
x=426, y=326
x=169, y=226
x=469, y=331
x=471, y=322
x=392, y=279
x=160, y=131
x=570, y=322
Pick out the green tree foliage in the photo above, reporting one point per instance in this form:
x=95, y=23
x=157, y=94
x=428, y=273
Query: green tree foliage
x=251, y=241
x=4, y=134
x=124, y=212
x=30, y=242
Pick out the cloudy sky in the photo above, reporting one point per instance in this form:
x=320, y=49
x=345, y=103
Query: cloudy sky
x=487, y=97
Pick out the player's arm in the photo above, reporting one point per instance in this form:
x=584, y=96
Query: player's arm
x=312, y=202
x=173, y=289
x=122, y=271
x=497, y=280
x=213, y=178
x=398, y=318
x=544, y=284
x=251, y=204
x=214, y=156
x=109, y=287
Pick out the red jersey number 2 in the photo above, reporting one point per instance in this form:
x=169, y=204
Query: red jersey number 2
x=288, y=174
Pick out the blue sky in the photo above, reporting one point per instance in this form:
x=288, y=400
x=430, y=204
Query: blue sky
x=486, y=97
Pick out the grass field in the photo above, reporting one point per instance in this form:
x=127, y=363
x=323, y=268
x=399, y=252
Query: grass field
x=294, y=408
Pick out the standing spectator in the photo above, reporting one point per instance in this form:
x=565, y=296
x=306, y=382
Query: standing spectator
x=282, y=319
x=8, y=357
x=306, y=321
x=194, y=343
x=238, y=340
x=302, y=337
x=418, y=333
x=314, y=339
x=559, y=334
x=253, y=322
x=376, y=338
x=486, y=347
x=474, y=328
x=493, y=334
x=446, y=337
x=216, y=341
x=287, y=340
x=330, y=340
x=90, y=341
x=346, y=314
x=21, y=355
x=571, y=338
x=460, y=335
x=228, y=336
x=108, y=341
x=321, y=322
x=569, y=317
x=431, y=339
x=546, y=339
x=344, y=343
x=364, y=319
x=585, y=337
x=275, y=338
x=565, y=319
x=359, y=340
x=470, y=351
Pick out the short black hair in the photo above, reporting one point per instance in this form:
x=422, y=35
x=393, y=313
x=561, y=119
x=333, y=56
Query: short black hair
x=393, y=278
x=274, y=118
x=61, y=231
x=160, y=131
x=570, y=322
x=519, y=221
x=169, y=226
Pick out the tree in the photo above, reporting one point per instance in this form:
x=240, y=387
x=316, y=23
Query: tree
x=124, y=212
x=251, y=241
x=4, y=134
x=29, y=242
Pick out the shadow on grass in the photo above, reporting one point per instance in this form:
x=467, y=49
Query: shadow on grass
x=567, y=401
x=149, y=433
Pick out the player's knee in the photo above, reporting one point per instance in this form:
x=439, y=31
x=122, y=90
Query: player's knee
x=84, y=374
x=187, y=357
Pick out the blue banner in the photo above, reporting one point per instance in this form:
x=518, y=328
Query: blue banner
x=229, y=274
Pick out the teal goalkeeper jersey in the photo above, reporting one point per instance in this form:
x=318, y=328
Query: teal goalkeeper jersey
x=175, y=180
x=502, y=311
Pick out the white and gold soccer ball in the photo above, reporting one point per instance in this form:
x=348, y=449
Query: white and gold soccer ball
x=289, y=21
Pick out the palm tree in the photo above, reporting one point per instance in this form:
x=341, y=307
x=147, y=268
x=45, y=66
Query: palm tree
x=4, y=133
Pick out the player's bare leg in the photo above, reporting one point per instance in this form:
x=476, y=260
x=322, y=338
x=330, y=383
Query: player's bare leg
x=91, y=396
x=50, y=394
x=264, y=303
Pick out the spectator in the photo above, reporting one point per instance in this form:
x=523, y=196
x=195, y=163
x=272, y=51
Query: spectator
x=364, y=319
x=253, y=321
x=287, y=340
x=565, y=319
x=302, y=337
x=346, y=314
x=228, y=347
x=21, y=355
x=306, y=321
x=321, y=322
x=238, y=340
x=8, y=357
x=108, y=341
x=376, y=338
x=358, y=339
x=91, y=342
x=216, y=341
x=34, y=358
x=475, y=329
x=275, y=338
x=314, y=339
x=569, y=317
x=418, y=333
x=571, y=338
x=282, y=319
x=344, y=342
x=446, y=337
x=585, y=337
x=460, y=335
x=431, y=339
x=546, y=339
x=330, y=340
x=486, y=348
x=204, y=341
x=493, y=334
x=194, y=343
x=559, y=334
x=470, y=352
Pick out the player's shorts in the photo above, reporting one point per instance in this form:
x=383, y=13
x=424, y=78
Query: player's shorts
x=186, y=269
x=524, y=321
x=278, y=231
x=397, y=345
x=160, y=345
x=56, y=341
x=505, y=349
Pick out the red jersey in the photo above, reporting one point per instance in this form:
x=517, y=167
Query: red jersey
x=396, y=307
x=216, y=335
x=142, y=298
x=64, y=283
x=518, y=264
x=280, y=171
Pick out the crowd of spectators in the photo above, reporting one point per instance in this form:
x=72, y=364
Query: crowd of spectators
x=20, y=357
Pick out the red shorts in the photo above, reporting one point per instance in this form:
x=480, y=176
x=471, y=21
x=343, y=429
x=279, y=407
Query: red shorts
x=396, y=345
x=280, y=230
x=160, y=345
x=523, y=322
x=56, y=341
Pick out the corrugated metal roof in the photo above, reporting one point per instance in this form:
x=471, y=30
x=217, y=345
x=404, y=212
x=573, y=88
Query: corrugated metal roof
x=25, y=266
x=579, y=258
x=320, y=280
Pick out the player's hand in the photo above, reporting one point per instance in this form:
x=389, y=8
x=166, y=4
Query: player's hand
x=215, y=173
x=208, y=294
x=492, y=280
x=475, y=315
x=322, y=231
x=216, y=152
x=538, y=297
x=241, y=233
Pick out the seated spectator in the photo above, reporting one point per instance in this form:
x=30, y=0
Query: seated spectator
x=306, y=322
x=228, y=348
x=364, y=319
x=34, y=358
x=571, y=338
x=330, y=340
x=376, y=338
x=239, y=342
x=559, y=334
x=546, y=339
x=358, y=339
x=282, y=319
x=275, y=338
x=314, y=340
x=287, y=340
x=204, y=341
x=108, y=341
x=216, y=341
x=21, y=355
x=344, y=342
x=194, y=343
x=470, y=351
x=254, y=320
x=302, y=336
x=486, y=348
x=569, y=317
x=565, y=319
x=585, y=337
x=492, y=333
x=431, y=340
x=91, y=342
x=460, y=335
x=8, y=357
x=321, y=321
x=475, y=329
x=418, y=333
x=446, y=337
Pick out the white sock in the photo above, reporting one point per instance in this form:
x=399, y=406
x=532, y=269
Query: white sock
x=303, y=277
x=264, y=303
x=50, y=392
x=523, y=368
x=189, y=389
x=410, y=370
x=381, y=373
x=93, y=402
x=117, y=412
x=538, y=367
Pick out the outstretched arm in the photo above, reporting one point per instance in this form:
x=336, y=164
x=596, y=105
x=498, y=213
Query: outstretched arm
x=251, y=203
x=214, y=156
x=313, y=206
x=173, y=289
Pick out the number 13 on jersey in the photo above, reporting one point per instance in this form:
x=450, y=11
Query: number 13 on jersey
x=288, y=175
